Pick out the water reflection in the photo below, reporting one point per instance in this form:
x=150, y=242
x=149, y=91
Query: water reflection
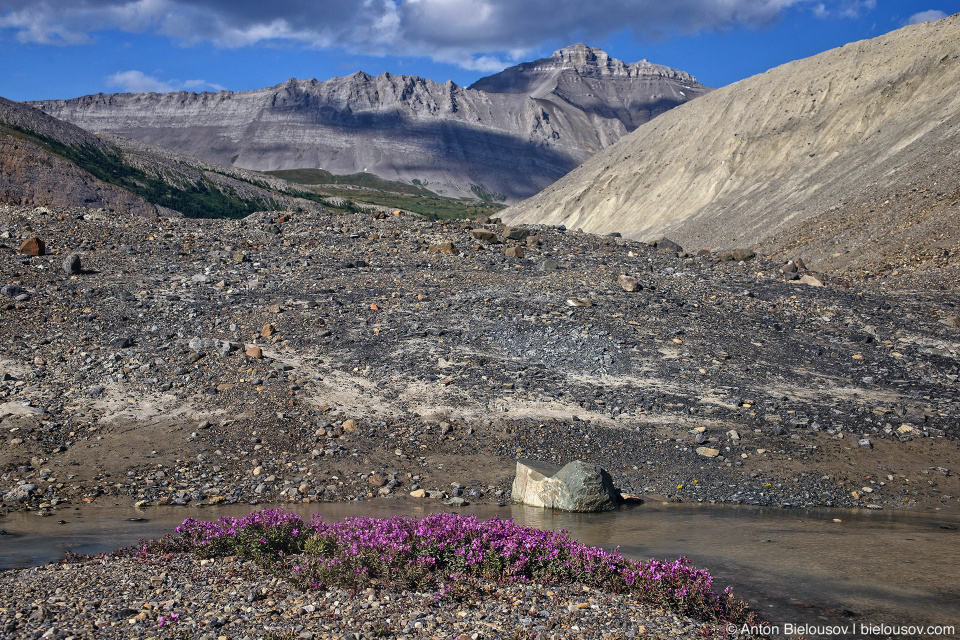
x=795, y=566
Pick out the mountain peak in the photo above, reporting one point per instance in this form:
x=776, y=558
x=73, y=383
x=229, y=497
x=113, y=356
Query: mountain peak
x=575, y=60
x=579, y=55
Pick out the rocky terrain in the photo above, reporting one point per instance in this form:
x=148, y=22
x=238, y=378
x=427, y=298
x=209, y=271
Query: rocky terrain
x=849, y=158
x=329, y=355
x=182, y=596
x=504, y=138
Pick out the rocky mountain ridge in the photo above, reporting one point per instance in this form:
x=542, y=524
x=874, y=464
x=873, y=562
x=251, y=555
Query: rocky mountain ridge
x=47, y=162
x=504, y=142
x=848, y=157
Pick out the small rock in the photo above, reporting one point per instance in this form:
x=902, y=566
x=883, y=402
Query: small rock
x=19, y=494
x=349, y=425
x=123, y=342
x=737, y=255
x=669, y=245
x=707, y=452
x=548, y=265
x=254, y=352
x=71, y=264
x=811, y=280
x=511, y=233
x=483, y=234
x=627, y=283
x=513, y=252
x=419, y=493
x=444, y=247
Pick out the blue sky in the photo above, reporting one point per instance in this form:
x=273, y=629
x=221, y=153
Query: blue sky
x=65, y=49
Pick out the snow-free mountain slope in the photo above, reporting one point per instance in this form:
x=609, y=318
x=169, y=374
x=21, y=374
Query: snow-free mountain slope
x=753, y=160
x=510, y=139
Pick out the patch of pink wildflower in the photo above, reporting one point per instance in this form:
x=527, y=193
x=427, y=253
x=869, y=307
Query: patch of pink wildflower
x=452, y=549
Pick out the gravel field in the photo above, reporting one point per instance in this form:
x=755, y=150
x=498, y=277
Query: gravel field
x=231, y=598
x=344, y=356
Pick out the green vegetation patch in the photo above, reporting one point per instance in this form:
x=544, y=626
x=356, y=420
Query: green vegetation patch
x=367, y=188
x=364, y=180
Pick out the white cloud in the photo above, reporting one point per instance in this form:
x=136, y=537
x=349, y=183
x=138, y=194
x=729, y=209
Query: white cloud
x=202, y=85
x=926, y=16
x=134, y=81
x=137, y=82
x=475, y=34
x=843, y=8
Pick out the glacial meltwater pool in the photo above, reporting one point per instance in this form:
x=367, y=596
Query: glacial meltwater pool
x=801, y=569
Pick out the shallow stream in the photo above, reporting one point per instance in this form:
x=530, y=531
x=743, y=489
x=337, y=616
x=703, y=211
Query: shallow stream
x=809, y=568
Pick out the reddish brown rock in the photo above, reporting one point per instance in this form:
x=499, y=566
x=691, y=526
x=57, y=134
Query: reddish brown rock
x=255, y=352
x=33, y=247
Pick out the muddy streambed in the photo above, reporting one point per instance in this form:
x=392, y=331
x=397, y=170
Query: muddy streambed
x=815, y=567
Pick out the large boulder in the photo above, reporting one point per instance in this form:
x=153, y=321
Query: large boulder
x=578, y=486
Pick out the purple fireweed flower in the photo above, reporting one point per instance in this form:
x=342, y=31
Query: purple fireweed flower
x=448, y=548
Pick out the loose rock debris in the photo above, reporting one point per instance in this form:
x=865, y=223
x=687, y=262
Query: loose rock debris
x=294, y=356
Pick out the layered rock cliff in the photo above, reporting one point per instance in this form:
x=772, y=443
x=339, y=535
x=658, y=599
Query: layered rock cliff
x=509, y=135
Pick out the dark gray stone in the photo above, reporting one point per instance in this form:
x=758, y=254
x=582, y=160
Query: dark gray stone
x=512, y=233
x=669, y=245
x=71, y=264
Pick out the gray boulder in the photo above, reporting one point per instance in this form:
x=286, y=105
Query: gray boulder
x=71, y=264
x=19, y=494
x=578, y=486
